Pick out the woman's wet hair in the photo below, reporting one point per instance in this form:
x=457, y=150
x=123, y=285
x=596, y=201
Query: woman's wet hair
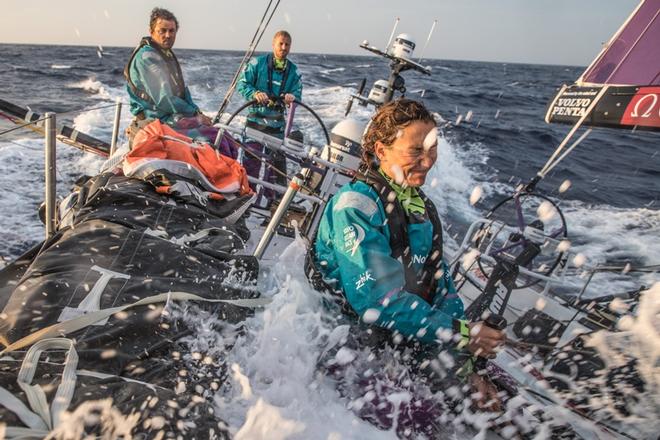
x=388, y=121
x=164, y=14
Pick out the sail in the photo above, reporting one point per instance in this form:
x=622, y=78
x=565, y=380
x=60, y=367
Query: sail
x=624, y=79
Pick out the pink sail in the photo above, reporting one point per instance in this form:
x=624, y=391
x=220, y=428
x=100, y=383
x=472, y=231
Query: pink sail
x=632, y=55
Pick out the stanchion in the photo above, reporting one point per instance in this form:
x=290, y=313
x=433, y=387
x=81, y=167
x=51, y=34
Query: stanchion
x=49, y=174
x=294, y=186
x=115, y=128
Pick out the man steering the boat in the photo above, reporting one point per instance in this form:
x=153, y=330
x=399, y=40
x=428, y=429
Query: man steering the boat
x=380, y=242
x=273, y=81
x=156, y=86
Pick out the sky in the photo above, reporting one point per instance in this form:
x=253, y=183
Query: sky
x=566, y=32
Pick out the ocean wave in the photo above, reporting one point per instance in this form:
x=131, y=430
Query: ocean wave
x=95, y=87
x=98, y=123
x=276, y=358
x=89, y=85
x=614, y=234
x=60, y=66
x=328, y=71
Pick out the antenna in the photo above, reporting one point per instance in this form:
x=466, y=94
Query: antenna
x=427, y=41
x=396, y=23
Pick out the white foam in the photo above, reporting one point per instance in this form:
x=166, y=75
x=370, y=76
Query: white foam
x=21, y=166
x=102, y=91
x=278, y=356
x=281, y=346
x=612, y=233
x=638, y=338
x=21, y=177
x=328, y=71
x=265, y=422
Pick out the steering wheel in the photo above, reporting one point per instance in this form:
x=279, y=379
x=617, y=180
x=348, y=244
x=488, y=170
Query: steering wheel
x=281, y=100
x=525, y=210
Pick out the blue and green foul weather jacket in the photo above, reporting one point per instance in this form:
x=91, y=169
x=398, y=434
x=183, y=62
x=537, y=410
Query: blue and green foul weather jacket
x=160, y=92
x=260, y=76
x=353, y=249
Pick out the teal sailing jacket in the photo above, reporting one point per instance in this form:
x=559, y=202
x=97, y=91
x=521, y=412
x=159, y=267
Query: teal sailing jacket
x=353, y=252
x=260, y=76
x=155, y=85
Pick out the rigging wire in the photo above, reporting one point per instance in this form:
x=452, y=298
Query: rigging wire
x=553, y=161
x=114, y=104
x=28, y=147
x=549, y=167
x=18, y=144
x=9, y=130
x=256, y=38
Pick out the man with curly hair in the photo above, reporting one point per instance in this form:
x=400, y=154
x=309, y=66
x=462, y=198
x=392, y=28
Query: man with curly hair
x=155, y=83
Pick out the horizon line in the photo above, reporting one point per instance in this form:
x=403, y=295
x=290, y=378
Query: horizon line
x=305, y=53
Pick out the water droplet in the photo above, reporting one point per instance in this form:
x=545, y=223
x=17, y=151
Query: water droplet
x=579, y=260
x=469, y=258
x=476, y=194
x=546, y=211
x=370, y=316
x=540, y=304
x=431, y=139
x=564, y=246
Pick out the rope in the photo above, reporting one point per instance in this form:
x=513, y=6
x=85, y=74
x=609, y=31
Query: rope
x=648, y=269
x=256, y=38
x=69, y=326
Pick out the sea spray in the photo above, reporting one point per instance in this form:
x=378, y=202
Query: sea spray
x=278, y=355
x=634, y=352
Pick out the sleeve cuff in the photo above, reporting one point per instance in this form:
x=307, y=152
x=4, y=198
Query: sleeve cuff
x=461, y=328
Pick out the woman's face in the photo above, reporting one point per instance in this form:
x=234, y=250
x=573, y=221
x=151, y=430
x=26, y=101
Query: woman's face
x=411, y=155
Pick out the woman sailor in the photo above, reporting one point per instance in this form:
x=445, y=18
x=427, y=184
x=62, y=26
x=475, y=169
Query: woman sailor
x=380, y=241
